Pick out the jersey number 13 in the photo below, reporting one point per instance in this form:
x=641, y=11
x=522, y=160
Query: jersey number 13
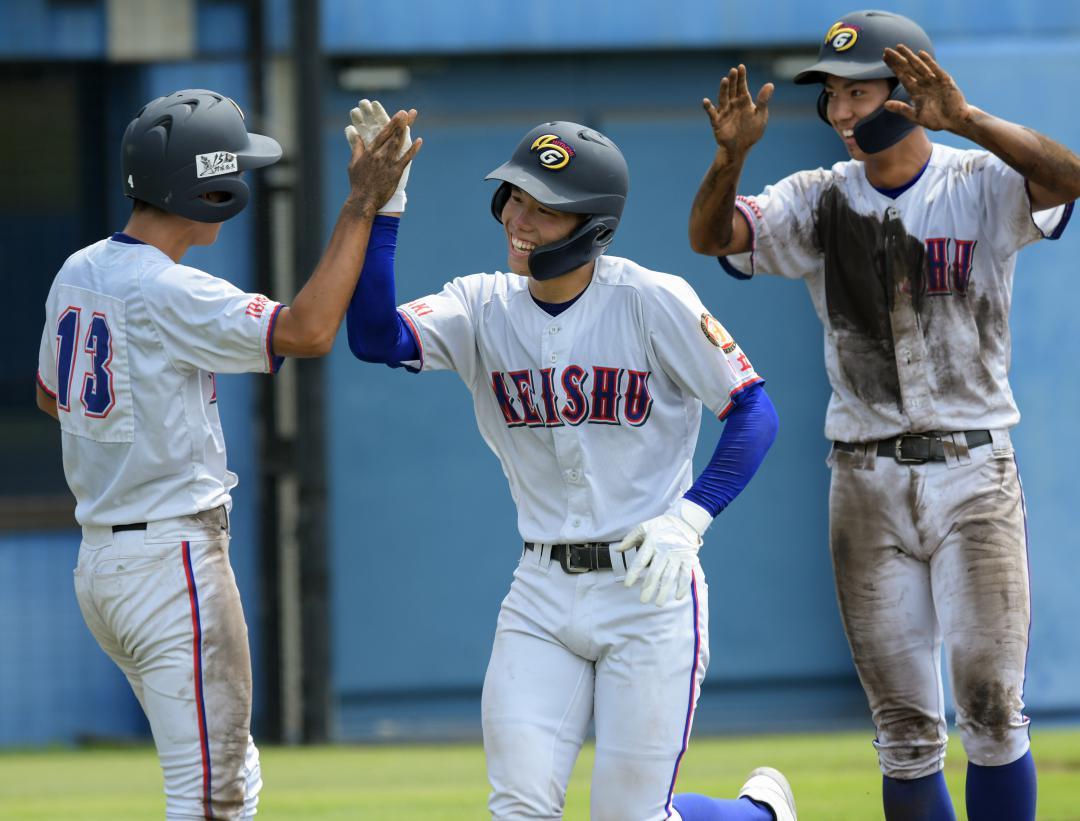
x=97, y=393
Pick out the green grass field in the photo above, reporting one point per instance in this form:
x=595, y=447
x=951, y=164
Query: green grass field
x=834, y=777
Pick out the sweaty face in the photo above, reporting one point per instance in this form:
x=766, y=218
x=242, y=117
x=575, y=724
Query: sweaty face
x=528, y=223
x=851, y=100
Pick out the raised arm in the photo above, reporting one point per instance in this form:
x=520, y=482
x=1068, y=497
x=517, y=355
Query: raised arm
x=308, y=327
x=738, y=121
x=1051, y=170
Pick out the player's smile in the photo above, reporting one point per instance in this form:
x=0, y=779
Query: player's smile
x=528, y=223
x=850, y=101
x=520, y=247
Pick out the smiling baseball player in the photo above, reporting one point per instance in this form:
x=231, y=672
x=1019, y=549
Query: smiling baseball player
x=588, y=374
x=908, y=251
x=131, y=343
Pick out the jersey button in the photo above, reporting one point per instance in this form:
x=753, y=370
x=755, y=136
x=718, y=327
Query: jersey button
x=554, y=357
x=576, y=523
x=554, y=329
x=574, y=475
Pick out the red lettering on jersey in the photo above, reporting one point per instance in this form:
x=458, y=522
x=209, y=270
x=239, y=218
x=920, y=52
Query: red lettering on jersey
x=551, y=400
x=420, y=308
x=742, y=360
x=257, y=306
x=937, y=265
x=945, y=275
x=638, y=399
x=524, y=383
x=605, y=396
x=498, y=386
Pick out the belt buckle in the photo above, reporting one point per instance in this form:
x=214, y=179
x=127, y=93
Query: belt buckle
x=916, y=460
x=567, y=564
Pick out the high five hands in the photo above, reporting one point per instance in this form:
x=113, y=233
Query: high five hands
x=936, y=101
x=738, y=120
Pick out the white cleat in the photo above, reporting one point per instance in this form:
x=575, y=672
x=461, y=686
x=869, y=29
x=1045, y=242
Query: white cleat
x=769, y=787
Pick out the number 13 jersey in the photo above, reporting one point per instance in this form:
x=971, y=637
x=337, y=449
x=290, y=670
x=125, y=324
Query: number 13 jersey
x=130, y=348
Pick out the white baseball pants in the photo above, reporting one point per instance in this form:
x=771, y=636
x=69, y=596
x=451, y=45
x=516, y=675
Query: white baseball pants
x=163, y=603
x=570, y=648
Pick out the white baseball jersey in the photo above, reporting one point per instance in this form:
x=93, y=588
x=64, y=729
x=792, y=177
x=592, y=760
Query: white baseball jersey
x=131, y=344
x=920, y=340
x=593, y=413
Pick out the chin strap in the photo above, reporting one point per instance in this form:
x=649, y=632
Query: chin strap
x=879, y=130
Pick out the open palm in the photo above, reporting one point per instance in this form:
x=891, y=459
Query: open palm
x=936, y=101
x=738, y=120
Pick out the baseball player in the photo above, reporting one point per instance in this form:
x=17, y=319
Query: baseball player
x=131, y=344
x=908, y=251
x=588, y=374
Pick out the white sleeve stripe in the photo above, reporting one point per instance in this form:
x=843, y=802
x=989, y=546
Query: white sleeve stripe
x=753, y=231
x=416, y=335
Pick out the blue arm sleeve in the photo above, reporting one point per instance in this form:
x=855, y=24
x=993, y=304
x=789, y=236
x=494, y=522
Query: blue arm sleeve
x=376, y=331
x=749, y=431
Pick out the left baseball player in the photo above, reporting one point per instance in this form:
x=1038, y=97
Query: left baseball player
x=588, y=374
x=131, y=344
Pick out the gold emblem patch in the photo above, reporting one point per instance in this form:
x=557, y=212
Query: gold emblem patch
x=554, y=153
x=716, y=333
x=841, y=36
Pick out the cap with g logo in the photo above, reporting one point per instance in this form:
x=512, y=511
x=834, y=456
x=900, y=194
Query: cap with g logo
x=852, y=46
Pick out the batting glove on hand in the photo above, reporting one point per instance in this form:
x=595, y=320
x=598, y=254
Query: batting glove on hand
x=667, y=551
x=368, y=119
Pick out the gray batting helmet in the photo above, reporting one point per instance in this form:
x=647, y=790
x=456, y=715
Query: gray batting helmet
x=852, y=49
x=573, y=169
x=190, y=143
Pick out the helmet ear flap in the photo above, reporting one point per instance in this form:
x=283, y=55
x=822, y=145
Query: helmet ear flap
x=498, y=201
x=823, y=105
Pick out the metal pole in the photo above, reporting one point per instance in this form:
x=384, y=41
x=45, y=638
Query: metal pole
x=311, y=444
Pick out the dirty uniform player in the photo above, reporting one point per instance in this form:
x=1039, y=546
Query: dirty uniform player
x=908, y=251
x=129, y=352
x=588, y=373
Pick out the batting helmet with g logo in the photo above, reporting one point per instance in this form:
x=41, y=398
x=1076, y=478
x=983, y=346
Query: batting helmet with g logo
x=190, y=143
x=852, y=48
x=570, y=168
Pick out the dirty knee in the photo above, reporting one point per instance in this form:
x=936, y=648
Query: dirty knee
x=911, y=748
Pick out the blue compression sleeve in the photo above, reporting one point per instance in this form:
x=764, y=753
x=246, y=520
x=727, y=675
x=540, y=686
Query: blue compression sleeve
x=749, y=431
x=376, y=331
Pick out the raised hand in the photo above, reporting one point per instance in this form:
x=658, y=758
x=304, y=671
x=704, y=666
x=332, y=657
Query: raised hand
x=936, y=101
x=376, y=169
x=737, y=119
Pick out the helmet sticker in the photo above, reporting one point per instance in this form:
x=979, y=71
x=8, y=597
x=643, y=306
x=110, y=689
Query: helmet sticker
x=716, y=333
x=215, y=163
x=842, y=36
x=554, y=153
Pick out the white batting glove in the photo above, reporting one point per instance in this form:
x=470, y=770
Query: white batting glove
x=667, y=551
x=368, y=119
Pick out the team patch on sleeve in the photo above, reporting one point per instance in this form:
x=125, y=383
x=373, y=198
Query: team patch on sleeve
x=716, y=333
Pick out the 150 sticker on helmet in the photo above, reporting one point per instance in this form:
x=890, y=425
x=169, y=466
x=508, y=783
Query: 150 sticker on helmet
x=842, y=36
x=211, y=165
x=554, y=153
x=716, y=333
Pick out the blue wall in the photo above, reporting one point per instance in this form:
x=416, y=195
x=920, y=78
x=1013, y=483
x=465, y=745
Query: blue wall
x=423, y=532
x=368, y=28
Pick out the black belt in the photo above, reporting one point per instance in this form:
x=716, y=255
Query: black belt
x=579, y=558
x=132, y=526
x=916, y=448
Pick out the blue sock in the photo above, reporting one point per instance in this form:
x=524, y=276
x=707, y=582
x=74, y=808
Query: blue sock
x=921, y=799
x=693, y=807
x=1008, y=791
